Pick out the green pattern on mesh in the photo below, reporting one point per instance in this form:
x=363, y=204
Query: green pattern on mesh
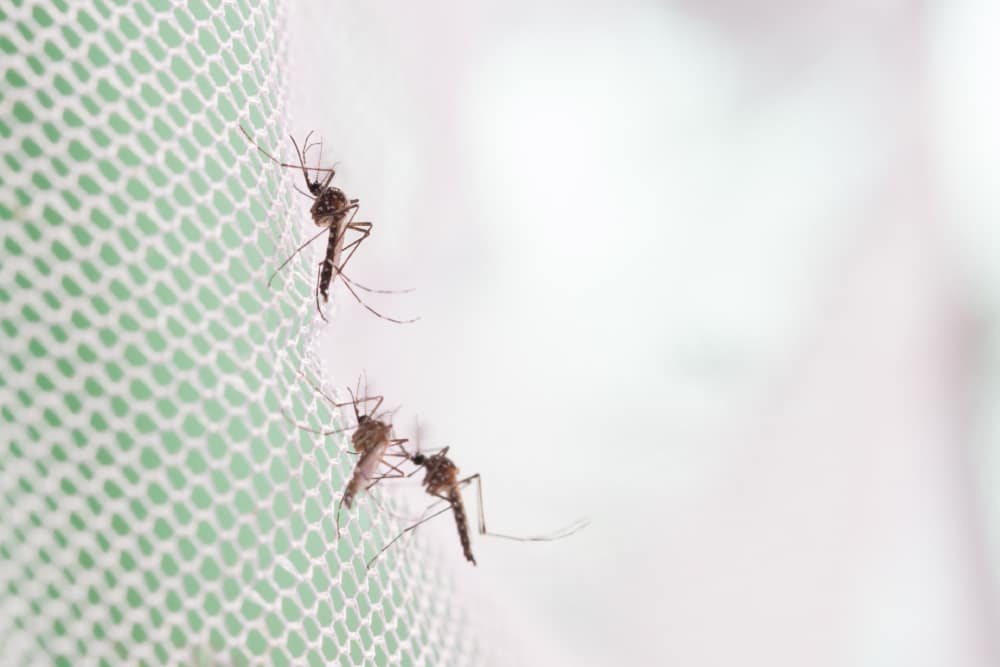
x=155, y=506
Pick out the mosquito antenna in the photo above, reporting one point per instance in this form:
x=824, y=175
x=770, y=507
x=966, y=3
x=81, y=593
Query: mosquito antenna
x=354, y=402
x=364, y=374
x=302, y=247
x=306, y=141
x=306, y=144
x=302, y=161
x=357, y=401
x=305, y=151
x=418, y=433
x=320, y=161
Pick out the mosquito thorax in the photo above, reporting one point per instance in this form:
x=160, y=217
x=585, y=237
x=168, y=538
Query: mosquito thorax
x=330, y=203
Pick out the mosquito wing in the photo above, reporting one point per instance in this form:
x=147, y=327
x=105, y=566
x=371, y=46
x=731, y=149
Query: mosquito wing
x=367, y=465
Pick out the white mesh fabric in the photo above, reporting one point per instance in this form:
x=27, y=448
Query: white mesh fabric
x=155, y=506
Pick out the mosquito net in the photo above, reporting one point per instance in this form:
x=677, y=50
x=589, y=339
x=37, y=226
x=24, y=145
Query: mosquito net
x=155, y=505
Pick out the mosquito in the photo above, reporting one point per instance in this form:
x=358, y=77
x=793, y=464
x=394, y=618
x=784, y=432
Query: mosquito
x=372, y=439
x=441, y=481
x=334, y=213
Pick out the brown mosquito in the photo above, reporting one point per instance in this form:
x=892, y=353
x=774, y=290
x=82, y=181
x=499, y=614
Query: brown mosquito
x=334, y=212
x=372, y=439
x=441, y=481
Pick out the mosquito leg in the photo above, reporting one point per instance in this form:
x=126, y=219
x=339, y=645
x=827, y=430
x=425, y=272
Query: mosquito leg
x=322, y=393
x=557, y=534
x=364, y=228
x=376, y=480
x=400, y=474
x=385, y=509
x=479, y=490
x=329, y=269
x=357, y=401
x=302, y=192
x=337, y=263
x=371, y=290
x=296, y=424
x=297, y=251
x=566, y=531
x=339, y=504
x=336, y=247
x=329, y=177
x=375, y=291
x=404, y=532
x=319, y=390
x=310, y=429
x=398, y=442
x=352, y=246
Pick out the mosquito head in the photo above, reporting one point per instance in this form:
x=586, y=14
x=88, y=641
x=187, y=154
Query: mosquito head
x=315, y=187
x=418, y=459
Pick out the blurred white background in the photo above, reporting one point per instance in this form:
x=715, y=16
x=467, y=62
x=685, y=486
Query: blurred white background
x=719, y=275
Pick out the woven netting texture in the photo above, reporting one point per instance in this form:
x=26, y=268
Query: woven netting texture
x=156, y=507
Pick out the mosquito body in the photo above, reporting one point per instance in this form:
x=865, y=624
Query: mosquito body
x=441, y=481
x=329, y=210
x=334, y=212
x=371, y=440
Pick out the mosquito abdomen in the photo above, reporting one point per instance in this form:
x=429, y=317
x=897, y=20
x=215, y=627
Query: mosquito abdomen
x=354, y=486
x=326, y=273
x=364, y=471
x=458, y=509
